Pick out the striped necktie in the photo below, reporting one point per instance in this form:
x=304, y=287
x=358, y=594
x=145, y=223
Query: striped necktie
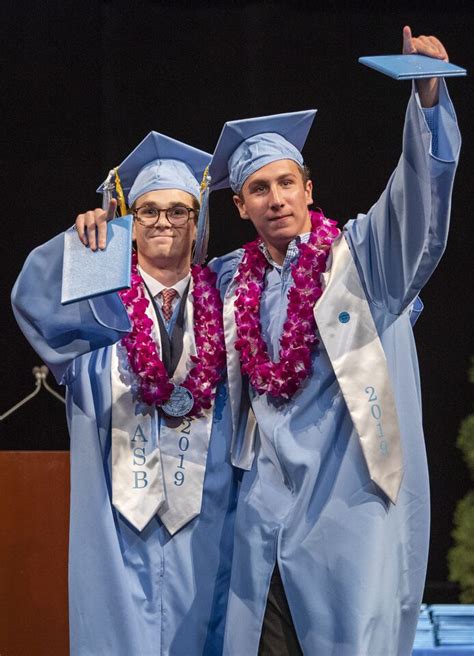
x=168, y=295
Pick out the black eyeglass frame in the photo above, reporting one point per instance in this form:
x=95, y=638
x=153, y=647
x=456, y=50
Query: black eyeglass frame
x=166, y=211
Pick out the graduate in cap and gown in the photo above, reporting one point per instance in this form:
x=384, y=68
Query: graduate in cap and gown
x=153, y=492
x=332, y=525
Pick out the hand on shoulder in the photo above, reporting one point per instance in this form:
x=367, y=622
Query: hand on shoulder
x=91, y=226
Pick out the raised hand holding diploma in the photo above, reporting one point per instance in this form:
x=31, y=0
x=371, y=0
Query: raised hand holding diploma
x=431, y=47
x=423, y=58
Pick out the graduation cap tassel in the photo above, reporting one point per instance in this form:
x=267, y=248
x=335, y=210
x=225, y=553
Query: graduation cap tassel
x=120, y=196
x=202, y=237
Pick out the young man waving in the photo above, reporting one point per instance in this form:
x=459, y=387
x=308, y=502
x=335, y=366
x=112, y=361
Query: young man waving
x=332, y=525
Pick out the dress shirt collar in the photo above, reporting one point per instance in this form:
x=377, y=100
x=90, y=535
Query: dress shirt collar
x=156, y=287
x=291, y=252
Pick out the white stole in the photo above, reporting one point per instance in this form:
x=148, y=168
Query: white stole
x=354, y=348
x=158, y=463
x=350, y=337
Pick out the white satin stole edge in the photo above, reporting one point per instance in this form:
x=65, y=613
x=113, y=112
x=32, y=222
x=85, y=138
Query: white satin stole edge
x=349, y=334
x=350, y=337
x=172, y=453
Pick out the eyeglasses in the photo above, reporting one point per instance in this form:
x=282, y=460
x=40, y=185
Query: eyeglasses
x=149, y=215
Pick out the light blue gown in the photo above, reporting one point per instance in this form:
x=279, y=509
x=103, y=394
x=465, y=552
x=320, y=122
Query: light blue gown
x=130, y=593
x=353, y=565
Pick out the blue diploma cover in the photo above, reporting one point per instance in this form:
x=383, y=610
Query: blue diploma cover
x=88, y=273
x=412, y=67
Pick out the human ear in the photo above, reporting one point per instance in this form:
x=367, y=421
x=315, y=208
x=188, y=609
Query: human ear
x=309, y=192
x=239, y=203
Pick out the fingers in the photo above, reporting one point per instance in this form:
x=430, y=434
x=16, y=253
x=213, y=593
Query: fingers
x=102, y=232
x=80, y=227
x=102, y=224
x=92, y=228
x=423, y=45
x=408, y=47
x=111, y=209
x=91, y=219
x=430, y=46
x=441, y=49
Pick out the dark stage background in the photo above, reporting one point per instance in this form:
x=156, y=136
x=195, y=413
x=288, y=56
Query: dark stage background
x=84, y=82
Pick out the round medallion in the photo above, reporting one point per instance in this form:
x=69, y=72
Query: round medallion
x=180, y=402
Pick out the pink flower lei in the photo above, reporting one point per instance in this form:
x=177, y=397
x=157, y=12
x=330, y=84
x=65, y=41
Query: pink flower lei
x=283, y=378
x=154, y=383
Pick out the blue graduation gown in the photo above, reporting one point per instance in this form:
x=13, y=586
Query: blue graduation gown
x=353, y=564
x=130, y=593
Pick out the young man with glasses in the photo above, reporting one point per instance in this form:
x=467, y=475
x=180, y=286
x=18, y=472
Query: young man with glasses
x=152, y=488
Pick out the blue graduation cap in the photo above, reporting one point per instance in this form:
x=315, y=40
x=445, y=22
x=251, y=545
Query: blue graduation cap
x=245, y=146
x=160, y=162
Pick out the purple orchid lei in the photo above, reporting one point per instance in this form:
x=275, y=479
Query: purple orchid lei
x=154, y=383
x=283, y=378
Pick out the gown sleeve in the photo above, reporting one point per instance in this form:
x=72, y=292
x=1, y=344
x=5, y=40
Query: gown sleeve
x=399, y=242
x=225, y=267
x=61, y=333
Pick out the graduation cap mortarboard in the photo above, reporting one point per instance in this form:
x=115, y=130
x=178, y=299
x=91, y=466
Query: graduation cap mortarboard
x=245, y=146
x=159, y=162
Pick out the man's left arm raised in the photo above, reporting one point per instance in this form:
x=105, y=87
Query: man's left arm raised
x=398, y=244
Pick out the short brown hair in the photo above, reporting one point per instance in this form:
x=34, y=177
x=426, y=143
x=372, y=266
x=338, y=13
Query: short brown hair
x=305, y=173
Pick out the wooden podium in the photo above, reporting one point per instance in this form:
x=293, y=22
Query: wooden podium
x=34, y=523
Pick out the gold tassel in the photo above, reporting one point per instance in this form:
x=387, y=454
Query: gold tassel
x=204, y=183
x=120, y=197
